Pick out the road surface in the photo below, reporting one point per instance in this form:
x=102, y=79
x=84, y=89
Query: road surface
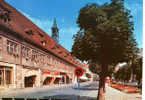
x=87, y=91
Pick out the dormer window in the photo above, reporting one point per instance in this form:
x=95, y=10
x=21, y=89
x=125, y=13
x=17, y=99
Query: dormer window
x=57, y=46
x=4, y=14
x=40, y=34
x=53, y=48
x=43, y=43
x=29, y=32
x=60, y=52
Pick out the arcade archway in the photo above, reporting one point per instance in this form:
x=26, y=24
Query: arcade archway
x=30, y=81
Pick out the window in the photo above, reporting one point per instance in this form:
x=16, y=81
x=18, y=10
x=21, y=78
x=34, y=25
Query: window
x=1, y=76
x=8, y=76
x=5, y=75
x=8, y=46
x=40, y=34
x=34, y=55
x=25, y=51
x=12, y=47
x=29, y=32
x=15, y=48
x=4, y=14
x=43, y=42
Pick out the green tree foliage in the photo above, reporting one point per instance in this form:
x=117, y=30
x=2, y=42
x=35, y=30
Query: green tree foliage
x=105, y=36
x=135, y=68
x=123, y=74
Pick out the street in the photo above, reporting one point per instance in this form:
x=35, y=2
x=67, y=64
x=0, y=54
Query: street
x=86, y=91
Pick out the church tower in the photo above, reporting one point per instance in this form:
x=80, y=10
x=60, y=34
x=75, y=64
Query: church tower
x=55, y=31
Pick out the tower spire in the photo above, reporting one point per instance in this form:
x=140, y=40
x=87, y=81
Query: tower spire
x=55, y=31
x=54, y=23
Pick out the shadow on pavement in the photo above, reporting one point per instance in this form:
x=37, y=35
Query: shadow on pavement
x=87, y=87
x=69, y=97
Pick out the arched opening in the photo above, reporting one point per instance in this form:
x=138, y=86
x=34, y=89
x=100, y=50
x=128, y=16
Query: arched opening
x=47, y=81
x=57, y=80
x=62, y=80
x=67, y=79
x=30, y=81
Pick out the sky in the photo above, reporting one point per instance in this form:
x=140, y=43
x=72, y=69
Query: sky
x=43, y=12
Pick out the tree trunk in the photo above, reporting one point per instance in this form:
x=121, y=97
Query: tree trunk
x=102, y=89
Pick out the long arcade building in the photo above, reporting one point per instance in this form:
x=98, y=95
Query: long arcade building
x=28, y=56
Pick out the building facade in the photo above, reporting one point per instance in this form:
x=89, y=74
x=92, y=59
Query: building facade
x=28, y=56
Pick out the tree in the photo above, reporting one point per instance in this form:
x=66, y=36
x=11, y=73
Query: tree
x=134, y=69
x=105, y=37
x=137, y=68
x=123, y=74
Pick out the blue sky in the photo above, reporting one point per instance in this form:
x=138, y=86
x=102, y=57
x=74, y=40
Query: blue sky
x=43, y=12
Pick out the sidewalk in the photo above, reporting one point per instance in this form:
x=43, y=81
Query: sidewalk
x=114, y=94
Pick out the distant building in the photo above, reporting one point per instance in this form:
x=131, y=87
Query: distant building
x=28, y=56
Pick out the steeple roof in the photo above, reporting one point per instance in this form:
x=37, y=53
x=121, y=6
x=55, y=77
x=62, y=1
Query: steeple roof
x=54, y=23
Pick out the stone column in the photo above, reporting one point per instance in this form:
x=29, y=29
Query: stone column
x=23, y=77
x=39, y=78
x=14, y=76
x=4, y=77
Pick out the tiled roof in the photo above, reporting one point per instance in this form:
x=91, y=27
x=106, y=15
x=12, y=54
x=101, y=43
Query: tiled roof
x=25, y=28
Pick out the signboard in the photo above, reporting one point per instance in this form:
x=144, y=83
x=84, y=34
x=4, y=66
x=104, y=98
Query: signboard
x=46, y=72
x=52, y=73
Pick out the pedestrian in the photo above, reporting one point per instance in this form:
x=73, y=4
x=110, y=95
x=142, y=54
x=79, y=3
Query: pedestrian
x=140, y=87
x=78, y=84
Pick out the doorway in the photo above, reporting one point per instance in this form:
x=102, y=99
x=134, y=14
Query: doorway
x=30, y=81
x=47, y=81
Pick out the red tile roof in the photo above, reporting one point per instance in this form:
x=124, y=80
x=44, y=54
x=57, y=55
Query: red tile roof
x=25, y=28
